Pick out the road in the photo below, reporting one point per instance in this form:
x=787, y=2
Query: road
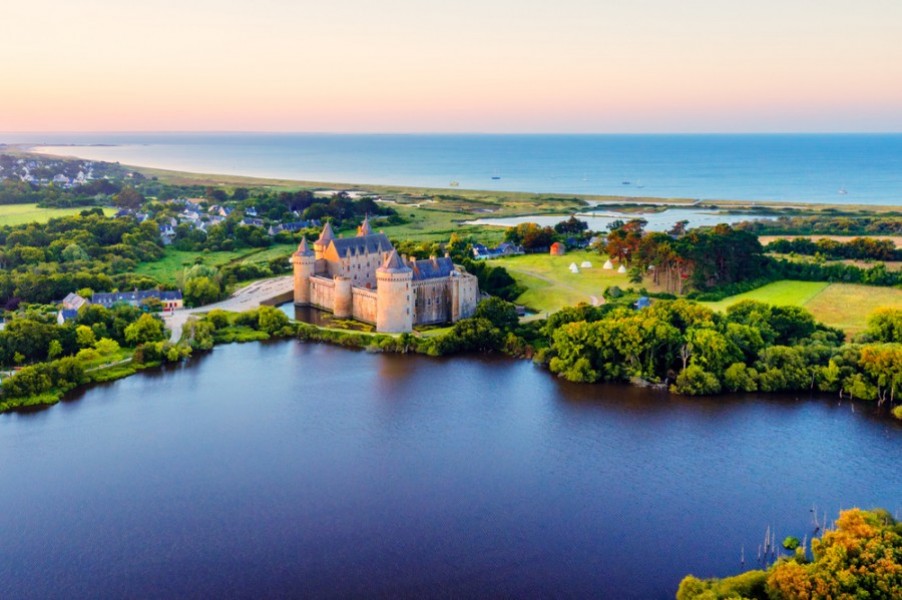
x=246, y=298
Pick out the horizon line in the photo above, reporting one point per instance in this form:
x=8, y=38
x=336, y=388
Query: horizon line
x=447, y=133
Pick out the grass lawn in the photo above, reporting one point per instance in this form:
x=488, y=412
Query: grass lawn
x=435, y=225
x=842, y=305
x=17, y=214
x=550, y=284
x=171, y=266
x=792, y=293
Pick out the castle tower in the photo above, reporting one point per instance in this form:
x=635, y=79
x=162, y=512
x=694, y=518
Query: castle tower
x=343, y=301
x=394, y=296
x=365, y=228
x=303, y=262
x=320, y=245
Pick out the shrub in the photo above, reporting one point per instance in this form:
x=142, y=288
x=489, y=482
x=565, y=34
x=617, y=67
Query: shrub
x=695, y=381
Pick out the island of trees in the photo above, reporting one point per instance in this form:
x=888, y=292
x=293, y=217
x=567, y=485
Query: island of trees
x=861, y=557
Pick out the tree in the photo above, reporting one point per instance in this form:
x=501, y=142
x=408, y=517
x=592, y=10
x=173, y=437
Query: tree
x=146, y=329
x=106, y=346
x=201, y=290
x=885, y=325
x=695, y=381
x=500, y=313
x=271, y=319
x=55, y=349
x=128, y=197
x=571, y=226
x=74, y=252
x=858, y=559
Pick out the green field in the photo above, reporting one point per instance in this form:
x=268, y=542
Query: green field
x=792, y=293
x=171, y=266
x=17, y=214
x=433, y=225
x=843, y=305
x=550, y=284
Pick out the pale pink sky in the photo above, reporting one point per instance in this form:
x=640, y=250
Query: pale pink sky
x=468, y=65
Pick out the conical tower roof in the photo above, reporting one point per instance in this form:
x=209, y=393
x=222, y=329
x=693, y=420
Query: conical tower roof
x=327, y=235
x=365, y=228
x=393, y=264
x=303, y=249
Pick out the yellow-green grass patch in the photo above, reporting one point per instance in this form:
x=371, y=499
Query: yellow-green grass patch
x=848, y=306
x=843, y=305
x=550, y=284
x=17, y=214
x=784, y=293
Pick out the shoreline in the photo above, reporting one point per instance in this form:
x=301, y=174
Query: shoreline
x=187, y=177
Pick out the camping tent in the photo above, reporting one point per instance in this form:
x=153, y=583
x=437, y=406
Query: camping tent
x=622, y=269
x=574, y=268
x=586, y=265
x=608, y=265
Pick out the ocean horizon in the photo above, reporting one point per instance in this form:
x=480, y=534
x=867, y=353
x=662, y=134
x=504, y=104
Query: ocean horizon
x=842, y=168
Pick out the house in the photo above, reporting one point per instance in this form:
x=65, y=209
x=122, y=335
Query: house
x=250, y=211
x=171, y=299
x=70, y=305
x=66, y=314
x=557, y=249
x=73, y=301
x=251, y=222
x=481, y=252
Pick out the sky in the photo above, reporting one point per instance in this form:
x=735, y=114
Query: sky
x=582, y=66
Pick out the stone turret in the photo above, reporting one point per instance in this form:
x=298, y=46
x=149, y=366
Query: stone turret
x=303, y=262
x=394, y=295
x=365, y=228
x=325, y=238
x=343, y=301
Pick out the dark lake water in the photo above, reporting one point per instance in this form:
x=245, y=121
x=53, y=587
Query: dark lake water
x=288, y=469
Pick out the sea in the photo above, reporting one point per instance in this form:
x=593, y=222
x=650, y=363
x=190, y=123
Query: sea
x=856, y=169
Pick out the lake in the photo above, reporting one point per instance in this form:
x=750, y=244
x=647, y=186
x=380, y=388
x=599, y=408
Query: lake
x=656, y=221
x=291, y=469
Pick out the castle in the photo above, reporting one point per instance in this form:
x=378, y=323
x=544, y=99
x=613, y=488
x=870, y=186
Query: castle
x=364, y=278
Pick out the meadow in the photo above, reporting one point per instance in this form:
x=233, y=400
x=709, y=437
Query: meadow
x=17, y=214
x=550, y=284
x=168, y=269
x=843, y=305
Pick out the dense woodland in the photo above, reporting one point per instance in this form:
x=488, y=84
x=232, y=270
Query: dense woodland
x=827, y=224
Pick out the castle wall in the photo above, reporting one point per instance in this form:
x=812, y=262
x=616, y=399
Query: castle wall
x=468, y=295
x=322, y=293
x=432, y=301
x=365, y=305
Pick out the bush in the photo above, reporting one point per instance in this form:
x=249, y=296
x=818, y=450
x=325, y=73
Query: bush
x=201, y=290
x=695, y=381
x=501, y=313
